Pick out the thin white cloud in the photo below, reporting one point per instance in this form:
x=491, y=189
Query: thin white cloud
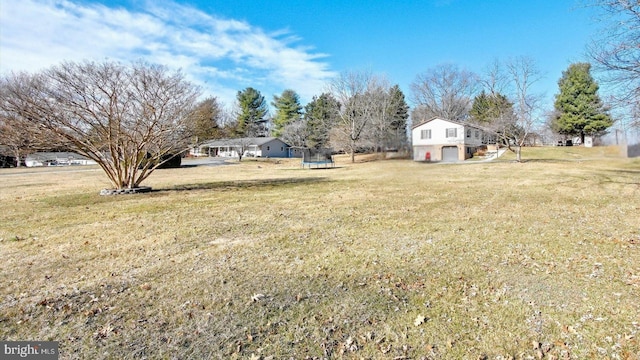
x=222, y=55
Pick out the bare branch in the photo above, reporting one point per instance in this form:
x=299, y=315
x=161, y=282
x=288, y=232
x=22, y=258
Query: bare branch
x=357, y=107
x=126, y=118
x=616, y=52
x=444, y=91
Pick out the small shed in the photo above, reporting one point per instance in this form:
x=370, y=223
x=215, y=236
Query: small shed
x=588, y=141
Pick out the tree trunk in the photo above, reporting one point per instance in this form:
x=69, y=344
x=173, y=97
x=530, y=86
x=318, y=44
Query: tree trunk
x=17, y=154
x=353, y=151
x=519, y=153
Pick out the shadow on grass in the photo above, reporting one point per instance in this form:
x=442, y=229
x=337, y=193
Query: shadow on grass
x=608, y=176
x=545, y=161
x=206, y=164
x=633, y=177
x=244, y=184
x=94, y=198
x=84, y=199
x=550, y=161
x=625, y=171
x=321, y=168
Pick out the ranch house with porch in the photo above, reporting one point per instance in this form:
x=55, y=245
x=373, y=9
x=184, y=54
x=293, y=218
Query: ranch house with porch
x=250, y=147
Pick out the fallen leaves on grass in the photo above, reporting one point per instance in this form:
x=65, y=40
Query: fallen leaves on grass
x=145, y=286
x=104, y=332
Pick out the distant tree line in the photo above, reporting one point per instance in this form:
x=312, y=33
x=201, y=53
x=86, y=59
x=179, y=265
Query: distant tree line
x=142, y=113
x=131, y=119
x=362, y=112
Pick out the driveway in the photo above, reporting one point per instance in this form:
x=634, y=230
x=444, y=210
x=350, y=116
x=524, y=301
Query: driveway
x=205, y=161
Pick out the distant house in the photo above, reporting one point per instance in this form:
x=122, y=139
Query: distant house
x=56, y=159
x=251, y=147
x=445, y=140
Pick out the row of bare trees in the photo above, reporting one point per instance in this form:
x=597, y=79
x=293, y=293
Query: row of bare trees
x=130, y=119
x=372, y=115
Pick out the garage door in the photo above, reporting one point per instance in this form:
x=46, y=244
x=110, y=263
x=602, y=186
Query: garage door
x=450, y=153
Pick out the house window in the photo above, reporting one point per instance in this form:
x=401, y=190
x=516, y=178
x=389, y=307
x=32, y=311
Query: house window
x=425, y=134
x=268, y=148
x=452, y=132
x=468, y=133
x=281, y=148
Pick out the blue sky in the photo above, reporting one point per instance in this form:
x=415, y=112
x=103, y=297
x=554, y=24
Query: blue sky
x=226, y=46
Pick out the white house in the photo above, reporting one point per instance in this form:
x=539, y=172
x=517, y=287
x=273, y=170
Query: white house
x=444, y=140
x=56, y=159
x=251, y=147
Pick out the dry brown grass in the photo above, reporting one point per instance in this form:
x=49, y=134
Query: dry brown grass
x=380, y=259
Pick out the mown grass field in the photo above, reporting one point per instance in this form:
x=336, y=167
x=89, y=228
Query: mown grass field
x=387, y=259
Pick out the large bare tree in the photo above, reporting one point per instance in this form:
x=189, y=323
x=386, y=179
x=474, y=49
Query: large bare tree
x=354, y=90
x=616, y=53
x=129, y=119
x=514, y=116
x=494, y=79
x=295, y=133
x=379, y=122
x=523, y=73
x=22, y=136
x=444, y=91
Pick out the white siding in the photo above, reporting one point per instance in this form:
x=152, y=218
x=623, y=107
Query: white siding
x=431, y=139
x=438, y=129
x=475, y=138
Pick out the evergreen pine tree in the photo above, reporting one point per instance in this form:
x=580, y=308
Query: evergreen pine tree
x=399, y=116
x=480, y=109
x=205, y=117
x=288, y=110
x=488, y=108
x=320, y=115
x=579, y=109
x=252, y=112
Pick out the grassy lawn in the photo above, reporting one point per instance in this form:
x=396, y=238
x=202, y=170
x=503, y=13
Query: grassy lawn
x=386, y=259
